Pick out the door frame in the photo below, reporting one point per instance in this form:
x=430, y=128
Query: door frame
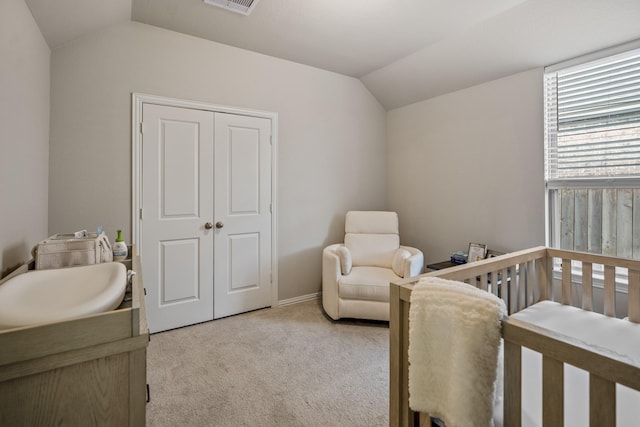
x=137, y=101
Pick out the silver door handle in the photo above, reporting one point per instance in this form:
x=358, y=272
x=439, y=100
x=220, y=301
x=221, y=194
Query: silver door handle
x=208, y=226
x=219, y=224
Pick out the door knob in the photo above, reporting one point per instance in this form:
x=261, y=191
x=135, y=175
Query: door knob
x=219, y=224
x=208, y=226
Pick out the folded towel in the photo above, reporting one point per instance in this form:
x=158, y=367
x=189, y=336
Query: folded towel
x=454, y=340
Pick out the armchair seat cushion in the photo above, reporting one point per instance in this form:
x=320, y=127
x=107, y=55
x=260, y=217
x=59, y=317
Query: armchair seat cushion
x=367, y=283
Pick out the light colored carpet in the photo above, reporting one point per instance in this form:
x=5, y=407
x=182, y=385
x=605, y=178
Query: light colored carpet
x=288, y=366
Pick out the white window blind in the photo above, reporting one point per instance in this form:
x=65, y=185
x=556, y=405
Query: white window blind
x=592, y=154
x=592, y=115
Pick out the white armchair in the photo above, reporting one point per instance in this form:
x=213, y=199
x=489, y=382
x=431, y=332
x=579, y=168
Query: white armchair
x=356, y=274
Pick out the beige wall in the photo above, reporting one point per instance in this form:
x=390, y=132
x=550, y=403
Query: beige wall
x=332, y=146
x=468, y=167
x=24, y=134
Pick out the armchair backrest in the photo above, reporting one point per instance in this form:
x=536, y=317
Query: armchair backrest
x=372, y=237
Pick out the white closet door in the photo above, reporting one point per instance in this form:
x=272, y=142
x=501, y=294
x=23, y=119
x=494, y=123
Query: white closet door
x=205, y=232
x=242, y=213
x=177, y=201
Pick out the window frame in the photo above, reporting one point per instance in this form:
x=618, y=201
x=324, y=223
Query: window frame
x=552, y=216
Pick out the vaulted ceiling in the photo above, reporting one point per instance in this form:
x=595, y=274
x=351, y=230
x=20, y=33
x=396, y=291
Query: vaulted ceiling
x=404, y=51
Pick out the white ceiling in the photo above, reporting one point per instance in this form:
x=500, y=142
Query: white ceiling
x=61, y=21
x=404, y=51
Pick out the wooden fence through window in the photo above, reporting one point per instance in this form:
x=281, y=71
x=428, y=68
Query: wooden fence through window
x=599, y=220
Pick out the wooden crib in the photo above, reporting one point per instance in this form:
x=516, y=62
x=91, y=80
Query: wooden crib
x=522, y=279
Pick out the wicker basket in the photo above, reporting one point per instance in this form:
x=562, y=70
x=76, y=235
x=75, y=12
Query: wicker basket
x=65, y=250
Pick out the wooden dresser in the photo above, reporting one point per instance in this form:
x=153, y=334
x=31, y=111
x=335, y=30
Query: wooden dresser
x=88, y=371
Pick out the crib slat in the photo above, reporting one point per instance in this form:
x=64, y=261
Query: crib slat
x=587, y=288
x=552, y=392
x=505, y=292
x=494, y=282
x=532, y=290
x=543, y=267
x=484, y=282
x=511, y=282
x=602, y=402
x=634, y=296
x=609, y=290
x=522, y=286
x=566, y=281
x=514, y=289
x=512, y=384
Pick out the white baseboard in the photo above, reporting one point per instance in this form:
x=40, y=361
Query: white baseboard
x=297, y=300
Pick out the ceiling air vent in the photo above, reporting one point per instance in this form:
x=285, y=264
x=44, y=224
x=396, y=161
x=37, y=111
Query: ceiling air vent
x=239, y=6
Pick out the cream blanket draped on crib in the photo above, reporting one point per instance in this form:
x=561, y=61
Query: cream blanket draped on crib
x=454, y=341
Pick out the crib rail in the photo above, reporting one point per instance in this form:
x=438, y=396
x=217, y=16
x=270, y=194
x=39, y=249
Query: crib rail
x=521, y=279
x=510, y=277
x=598, y=268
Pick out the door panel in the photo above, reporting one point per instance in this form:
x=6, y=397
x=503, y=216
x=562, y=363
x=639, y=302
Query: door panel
x=244, y=256
x=179, y=160
x=177, y=200
x=243, y=206
x=179, y=271
x=244, y=170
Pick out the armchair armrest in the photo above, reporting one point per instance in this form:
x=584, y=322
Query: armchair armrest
x=344, y=257
x=331, y=273
x=331, y=262
x=414, y=265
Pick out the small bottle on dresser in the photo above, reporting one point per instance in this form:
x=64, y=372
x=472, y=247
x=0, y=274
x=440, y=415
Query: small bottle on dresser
x=120, y=250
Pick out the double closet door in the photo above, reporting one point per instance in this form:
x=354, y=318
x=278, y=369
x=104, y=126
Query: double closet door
x=205, y=218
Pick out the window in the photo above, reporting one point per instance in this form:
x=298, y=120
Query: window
x=592, y=155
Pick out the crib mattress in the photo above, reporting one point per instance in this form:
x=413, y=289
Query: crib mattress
x=616, y=335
